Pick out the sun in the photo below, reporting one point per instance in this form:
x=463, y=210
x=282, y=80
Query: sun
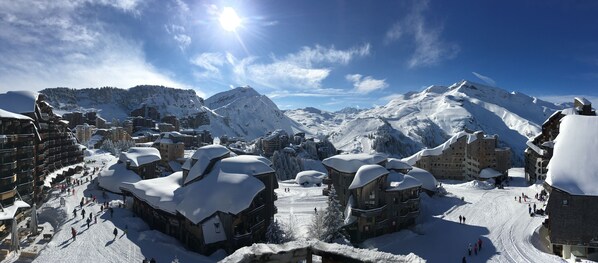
x=229, y=20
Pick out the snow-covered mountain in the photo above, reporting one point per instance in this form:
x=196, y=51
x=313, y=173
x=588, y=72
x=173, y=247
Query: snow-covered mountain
x=317, y=121
x=240, y=112
x=423, y=119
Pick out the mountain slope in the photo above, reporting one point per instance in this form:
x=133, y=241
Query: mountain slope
x=426, y=119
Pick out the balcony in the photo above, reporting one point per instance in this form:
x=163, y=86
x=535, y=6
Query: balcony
x=371, y=212
x=261, y=224
x=8, y=151
x=8, y=166
x=409, y=214
x=255, y=211
x=410, y=199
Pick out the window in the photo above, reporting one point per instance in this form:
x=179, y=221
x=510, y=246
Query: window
x=565, y=202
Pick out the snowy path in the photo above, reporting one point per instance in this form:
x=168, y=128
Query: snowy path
x=299, y=205
x=98, y=244
x=502, y=223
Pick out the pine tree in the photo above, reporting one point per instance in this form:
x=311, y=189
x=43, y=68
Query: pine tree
x=316, y=228
x=274, y=233
x=333, y=218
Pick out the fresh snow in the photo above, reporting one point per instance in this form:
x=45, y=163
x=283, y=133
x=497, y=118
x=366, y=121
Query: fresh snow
x=8, y=213
x=309, y=177
x=157, y=192
x=115, y=175
x=350, y=163
x=138, y=156
x=204, y=156
x=366, y=174
x=11, y=115
x=218, y=191
x=245, y=164
x=396, y=164
x=426, y=178
x=19, y=101
x=488, y=173
x=407, y=182
x=470, y=137
x=573, y=167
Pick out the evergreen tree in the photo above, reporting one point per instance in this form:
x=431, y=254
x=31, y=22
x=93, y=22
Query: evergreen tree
x=274, y=233
x=333, y=218
x=316, y=228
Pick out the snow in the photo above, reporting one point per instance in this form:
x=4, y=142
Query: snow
x=54, y=174
x=350, y=163
x=470, y=137
x=157, y=192
x=407, y=183
x=396, y=164
x=573, y=167
x=175, y=166
x=488, y=173
x=218, y=191
x=9, y=212
x=112, y=178
x=366, y=174
x=309, y=177
x=212, y=230
x=138, y=156
x=583, y=101
x=256, y=251
x=426, y=178
x=19, y=101
x=10, y=115
x=349, y=218
x=535, y=148
x=245, y=164
x=204, y=156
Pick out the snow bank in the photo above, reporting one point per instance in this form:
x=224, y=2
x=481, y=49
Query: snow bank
x=573, y=167
x=138, y=156
x=426, y=178
x=310, y=177
x=157, y=192
x=245, y=164
x=112, y=178
x=407, y=182
x=366, y=174
x=488, y=173
x=396, y=164
x=203, y=156
x=218, y=191
x=350, y=163
x=256, y=251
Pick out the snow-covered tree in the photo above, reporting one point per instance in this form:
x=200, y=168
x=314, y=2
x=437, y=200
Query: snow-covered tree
x=316, y=228
x=116, y=147
x=275, y=233
x=286, y=165
x=290, y=229
x=333, y=218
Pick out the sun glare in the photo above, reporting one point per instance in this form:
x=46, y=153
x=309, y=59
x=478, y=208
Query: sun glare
x=229, y=20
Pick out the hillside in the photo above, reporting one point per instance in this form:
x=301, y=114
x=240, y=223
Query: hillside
x=423, y=119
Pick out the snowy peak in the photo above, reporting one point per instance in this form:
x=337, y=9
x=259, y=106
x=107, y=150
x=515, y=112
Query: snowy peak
x=227, y=97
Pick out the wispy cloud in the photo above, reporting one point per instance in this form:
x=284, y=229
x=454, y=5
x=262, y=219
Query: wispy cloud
x=486, y=79
x=302, y=70
x=53, y=43
x=210, y=63
x=430, y=47
x=179, y=35
x=366, y=84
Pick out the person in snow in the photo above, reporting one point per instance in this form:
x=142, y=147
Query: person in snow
x=74, y=233
x=534, y=207
x=83, y=213
x=480, y=243
x=88, y=221
x=463, y=260
x=95, y=219
x=115, y=232
x=475, y=248
x=463, y=219
x=75, y=213
x=469, y=249
x=315, y=210
x=520, y=199
x=111, y=212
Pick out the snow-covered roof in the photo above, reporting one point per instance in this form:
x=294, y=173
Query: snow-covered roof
x=245, y=164
x=569, y=111
x=350, y=163
x=471, y=137
x=175, y=166
x=407, y=183
x=218, y=191
x=212, y=230
x=117, y=173
x=535, y=148
x=157, y=192
x=426, y=178
x=488, y=173
x=19, y=101
x=396, y=164
x=309, y=176
x=9, y=212
x=573, y=167
x=140, y=155
x=11, y=115
x=204, y=156
x=366, y=174
x=583, y=101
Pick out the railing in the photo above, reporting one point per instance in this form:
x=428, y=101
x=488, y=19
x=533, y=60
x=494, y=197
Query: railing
x=8, y=166
x=257, y=226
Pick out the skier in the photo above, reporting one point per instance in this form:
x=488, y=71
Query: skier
x=460, y=219
x=115, y=232
x=74, y=233
x=469, y=249
x=83, y=213
x=88, y=221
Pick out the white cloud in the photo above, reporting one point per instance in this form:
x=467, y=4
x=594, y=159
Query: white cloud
x=179, y=35
x=366, y=84
x=486, y=79
x=305, y=69
x=430, y=48
x=567, y=98
x=51, y=43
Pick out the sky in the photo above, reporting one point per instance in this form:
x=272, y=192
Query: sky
x=324, y=54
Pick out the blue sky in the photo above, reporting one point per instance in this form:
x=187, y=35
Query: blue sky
x=326, y=54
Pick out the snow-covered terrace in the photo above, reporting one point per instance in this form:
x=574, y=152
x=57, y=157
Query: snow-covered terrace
x=139, y=156
x=366, y=174
x=573, y=167
x=350, y=163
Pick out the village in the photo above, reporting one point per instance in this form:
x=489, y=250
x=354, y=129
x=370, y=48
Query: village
x=147, y=185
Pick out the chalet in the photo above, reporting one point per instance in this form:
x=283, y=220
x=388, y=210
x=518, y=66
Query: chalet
x=539, y=148
x=377, y=197
x=464, y=156
x=571, y=181
x=142, y=160
x=216, y=202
